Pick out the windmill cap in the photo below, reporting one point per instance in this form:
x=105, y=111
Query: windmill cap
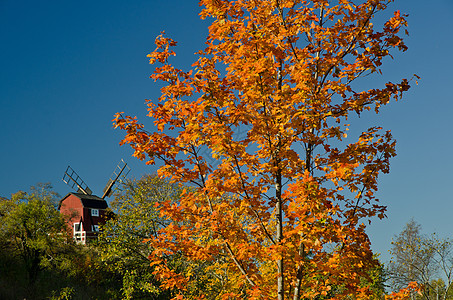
x=88, y=201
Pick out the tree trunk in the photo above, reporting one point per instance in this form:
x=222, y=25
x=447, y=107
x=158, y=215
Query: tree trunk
x=279, y=211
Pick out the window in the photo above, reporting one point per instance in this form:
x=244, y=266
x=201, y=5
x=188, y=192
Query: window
x=79, y=234
x=77, y=227
x=95, y=212
x=96, y=228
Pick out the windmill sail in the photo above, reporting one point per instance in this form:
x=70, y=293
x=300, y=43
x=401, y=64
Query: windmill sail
x=71, y=178
x=121, y=170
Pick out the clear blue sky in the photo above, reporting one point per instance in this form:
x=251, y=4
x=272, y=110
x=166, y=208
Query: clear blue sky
x=67, y=66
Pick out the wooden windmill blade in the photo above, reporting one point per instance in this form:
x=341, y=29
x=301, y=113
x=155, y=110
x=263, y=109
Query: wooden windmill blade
x=71, y=178
x=121, y=171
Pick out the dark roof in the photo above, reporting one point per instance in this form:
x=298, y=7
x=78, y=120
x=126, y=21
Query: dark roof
x=90, y=201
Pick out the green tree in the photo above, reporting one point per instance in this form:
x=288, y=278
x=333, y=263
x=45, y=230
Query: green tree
x=121, y=242
x=32, y=228
x=376, y=281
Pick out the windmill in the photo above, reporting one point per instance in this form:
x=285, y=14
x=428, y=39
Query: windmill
x=85, y=211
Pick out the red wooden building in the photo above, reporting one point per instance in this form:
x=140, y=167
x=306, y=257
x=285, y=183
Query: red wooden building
x=85, y=214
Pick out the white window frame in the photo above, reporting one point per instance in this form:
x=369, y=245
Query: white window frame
x=77, y=225
x=79, y=235
x=96, y=228
x=95, y=212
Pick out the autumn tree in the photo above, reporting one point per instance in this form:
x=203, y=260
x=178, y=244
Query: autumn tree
x=259, y=128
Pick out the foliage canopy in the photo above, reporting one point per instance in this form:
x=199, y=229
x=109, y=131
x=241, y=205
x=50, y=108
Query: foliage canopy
x=121, y=245
x=30, y=224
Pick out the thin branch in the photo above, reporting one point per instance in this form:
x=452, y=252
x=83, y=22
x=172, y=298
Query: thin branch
x=230, y=251
x=263, y=227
